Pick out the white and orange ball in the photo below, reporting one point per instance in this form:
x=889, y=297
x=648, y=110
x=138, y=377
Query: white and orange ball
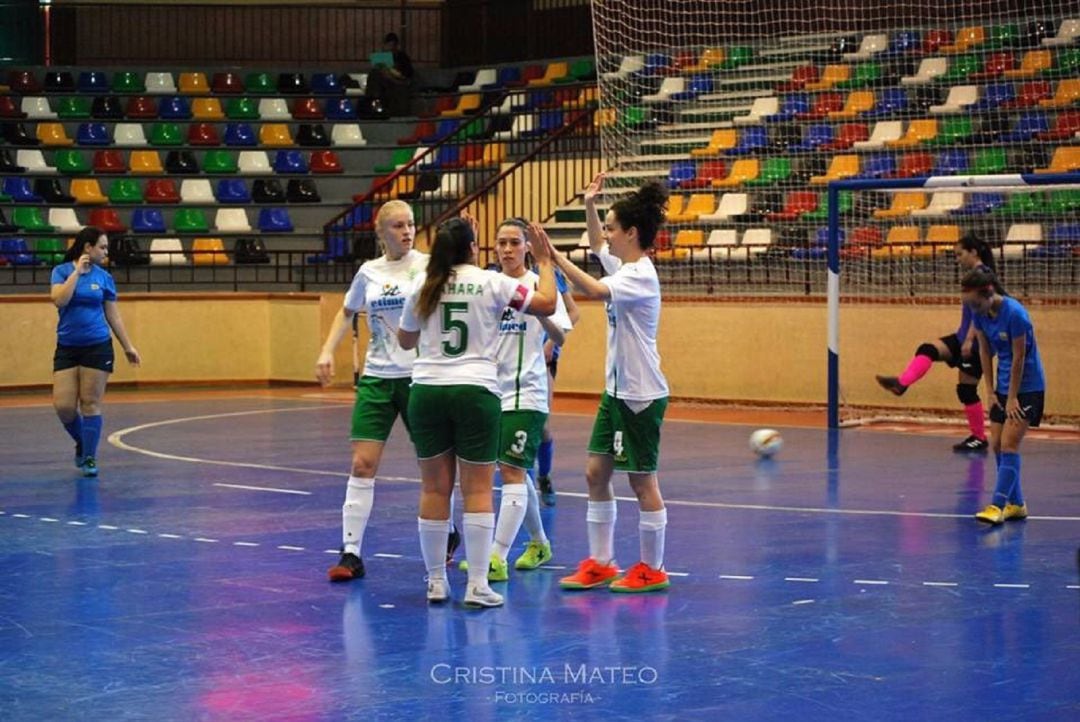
x=766, y=442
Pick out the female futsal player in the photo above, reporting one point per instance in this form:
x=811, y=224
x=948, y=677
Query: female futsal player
x=85, y=296
x=1004, y=329
x=382, y=393
x=958, y=350
x=453, y=318
x=524, y=382
x=626, y=432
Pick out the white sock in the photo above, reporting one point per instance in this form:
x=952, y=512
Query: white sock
x=600, y=519
x=433, y=547
x=651, y=528
x=359, y=497
x=515, y=501
x=533, y=525
x=450, y=518
x=479, y=527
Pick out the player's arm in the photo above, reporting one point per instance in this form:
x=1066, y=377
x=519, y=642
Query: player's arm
x=116, y=323
x=592, y=219
x=572, y=310
x=1016, y=371
x=324, y=367
x=967, y=341
x=554, y=333
x=61, y=293
x=408, y=332
x=987, y=365
x=545, y=298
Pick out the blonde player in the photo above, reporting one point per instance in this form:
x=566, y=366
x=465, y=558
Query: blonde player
x=453, y=319
x=626, y=433
x=382, y=394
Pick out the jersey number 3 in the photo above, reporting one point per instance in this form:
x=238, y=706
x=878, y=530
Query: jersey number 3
x=454, y=330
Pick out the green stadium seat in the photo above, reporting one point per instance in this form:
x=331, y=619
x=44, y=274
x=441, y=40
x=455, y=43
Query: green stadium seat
x=1003, y=36
x=30, y=219
x=737, y=56
x=400, y=157
x=952, y=130
x=260, y=83
x=73, y=108
x=864, y=76
x=49, y=250
x=242, y=109
x=847, y=205
x=989, y=161
x=125, y=190
x=219, y=161
x=191, y=220
x=72, y=161
x=1020, y=205
x=960, y=68
x=773, y=171
x=126, y=81
x=580, y=71
x=166, y=134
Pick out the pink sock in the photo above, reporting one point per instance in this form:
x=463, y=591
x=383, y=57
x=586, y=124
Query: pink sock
x=916, y=370
x=976, y=420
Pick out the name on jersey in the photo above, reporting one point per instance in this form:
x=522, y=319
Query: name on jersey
x=464, y=289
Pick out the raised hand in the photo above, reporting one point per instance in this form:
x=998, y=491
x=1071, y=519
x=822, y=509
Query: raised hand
x=593, y=189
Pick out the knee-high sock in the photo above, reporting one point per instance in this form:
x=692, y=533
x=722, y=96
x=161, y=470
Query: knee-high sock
x=74, y=429
x=533, y=524
x=91, y=435
x=359, y=497
x=433, y=546
x=450, y=518
x=544, y=457
x=976, y=419
x=651, y=526
x=600, y=519
x=1007, y=490
x=512, y=508
x=479, y=527
x=916, y=369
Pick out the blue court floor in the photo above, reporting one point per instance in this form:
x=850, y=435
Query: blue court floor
x=842, y=581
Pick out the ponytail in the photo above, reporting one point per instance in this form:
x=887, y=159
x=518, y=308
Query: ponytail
x=453, y=246
x=974, y=243
x=88, y=235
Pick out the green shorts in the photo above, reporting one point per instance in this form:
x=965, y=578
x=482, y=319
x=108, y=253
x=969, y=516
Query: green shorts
x=461, y=418
x=378, y=403
x=520, y=437
x=632, y=440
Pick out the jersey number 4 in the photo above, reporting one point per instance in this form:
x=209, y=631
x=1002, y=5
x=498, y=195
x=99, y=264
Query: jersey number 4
x=454, y=330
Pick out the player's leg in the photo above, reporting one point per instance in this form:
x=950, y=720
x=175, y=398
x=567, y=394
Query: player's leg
x=967, y=391
x=92, y=383
x=65, y=398
x=518, y=441
x=920, y=363
x=431, y=429
x=1005, y=435
x=545, y=456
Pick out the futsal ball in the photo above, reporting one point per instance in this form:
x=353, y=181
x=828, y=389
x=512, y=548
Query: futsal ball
x=766, y=442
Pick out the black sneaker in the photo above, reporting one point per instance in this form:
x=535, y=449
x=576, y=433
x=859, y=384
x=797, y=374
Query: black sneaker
x=971, y=444
x=78, y=455
x=89, y=466
x=547, y=491
x=892, y=384
x=349, y=567
x=453, y=541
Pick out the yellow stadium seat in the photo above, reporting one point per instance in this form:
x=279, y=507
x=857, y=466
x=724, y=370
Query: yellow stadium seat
x=1065, y=160
x=275, y=134
x=918, y=131
x=709, y=58
x=193, y=83
x=832, y=75
x=146, y=161
x=743, y=170
x=494, y=154
x=53, y=134
x=898, y=242
x=966, y=39
x=700, y=204
x=1034, y=62
x=720, y=141
x=902, y=204
x=207, y=109
x=466, y=104
x=604, y=118
x=209, y=252
x=585, y=98
x=842, y=166
x=1068, y=92
x=553, y=71
x=857, y=102
x=87, y=191
x=939, y=241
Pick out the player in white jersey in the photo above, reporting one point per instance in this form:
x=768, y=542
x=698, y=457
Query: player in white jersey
x=378, y=290
x=626, y=433
x=453, y=318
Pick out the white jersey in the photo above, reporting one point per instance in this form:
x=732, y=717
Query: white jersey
x=633, y=363
x=379, y=289
x=523, y=375
x=457, y=341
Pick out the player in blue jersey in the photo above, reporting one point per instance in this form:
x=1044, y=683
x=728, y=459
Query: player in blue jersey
x=958, y=350
x=1004, y=330
x=85, y=296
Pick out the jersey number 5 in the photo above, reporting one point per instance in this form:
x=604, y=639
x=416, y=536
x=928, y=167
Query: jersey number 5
x=456, y=345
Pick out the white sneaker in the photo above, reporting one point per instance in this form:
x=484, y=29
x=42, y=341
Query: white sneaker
x=484, y=596
x=438, y=590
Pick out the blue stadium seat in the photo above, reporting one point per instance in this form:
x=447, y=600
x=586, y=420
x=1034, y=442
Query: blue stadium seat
x=992, y=97
x=341, y=109
x=290, y=161
x=326, y=84
x=174, y=107
x=977, y=204
x=891, y=101
x=879, y=165
x=951, y=162
x=698, y=85
x=751, y=140
x=147, y=220
x=505, y=76
x=792, y=105
x=93, y=81
x=17, y=253
x=902, y=42
x=231, y=191
x=240, y=134
x=815, y=136
x=680, y=172
x=1027, y=127
x=20, y=190
x=274, y=220
x=93, y=134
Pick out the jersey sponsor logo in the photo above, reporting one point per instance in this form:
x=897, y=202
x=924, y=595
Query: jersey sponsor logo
x=95, y=287
x=610, y=308
x=518, y=301
x=508, y=324
x=1003, y=335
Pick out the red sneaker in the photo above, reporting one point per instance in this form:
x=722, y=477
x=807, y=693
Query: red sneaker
x=589, y=574
x=641, y=578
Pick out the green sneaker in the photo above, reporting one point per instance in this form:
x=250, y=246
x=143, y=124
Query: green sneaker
x=498, y=570
x=534, y=555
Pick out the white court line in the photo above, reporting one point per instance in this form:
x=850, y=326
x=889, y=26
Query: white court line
x=803, y=601
x=21, y=516
x=736, y=577
x=245, y=544
x=1012, y=586
x=553, y=566
x=263, y=488
x=874, y=582
x=331, y=551
x=170, y=536
x=49, y=519
x=383, y=555
x=138, y=531
x=204, y=540
x=1072, y=586
x=809, y=580
x=116, y=439
x=940, y=584
x=107, y=527
x=77, y=523
x=386, y=606
x=289, y=548
x=678, y=574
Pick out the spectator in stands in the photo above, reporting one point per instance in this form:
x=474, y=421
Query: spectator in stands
x=391, y=84
x=85, y=296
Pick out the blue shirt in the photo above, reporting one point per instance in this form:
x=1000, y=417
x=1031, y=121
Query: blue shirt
x=1012, y=321
x=82, y=321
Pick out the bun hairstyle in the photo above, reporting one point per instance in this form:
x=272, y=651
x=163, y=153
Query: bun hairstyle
x=974, y=243
x=88, y=235
x=981, y=279
x=644, y=210
x=452, y=246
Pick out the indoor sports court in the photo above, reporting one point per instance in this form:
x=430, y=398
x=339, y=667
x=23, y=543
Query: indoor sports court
x=837, y=258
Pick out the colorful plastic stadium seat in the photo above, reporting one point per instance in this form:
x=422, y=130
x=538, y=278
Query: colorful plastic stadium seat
x=303, y=190
x=207, y=109
x=1066, y=125
x=942, y=203
x=33, y=161
x=326, y=84
x=751, y=140
x=30, y=219
x=93, y=81
x=915, y=165
x=918, y=131
x=56, y=81
x=1066, y=159
x=292, y=84
x=219, y=161
x=162, y=190
x=253, y=162
x=73, y=108
x=953, y=130
x=760, y=109
x=312, y=134
x=1068, y=92
x=53, y=134
x=181, y=162
x=49, y=251
x=773, y=171
x=952, y=161
x=147, y=220
x=203, y=134
x=743, y=170
x=965, y=40
x=841, y=166
x=141, y=107
x=720, y=141
x=231, y=220
x=706, y=173
x=832, y=75
x=326, y=161
x=995, y=66
x=93, y=134
x=167, y=252
x=890, y=102
x=863, y=76
x=275, y=135
x=36, y=108
x=307, y=109
x=846, y=136
x=242, y=109
x=467, y=105
x=929, y=70
x=857, y=102
x=107, y=219
x=109, y=161
x=274, y=109
x=240, y=134
x=961, y=69
x=347, y=135
x=1033, y=63
x=174, y=107
x=196, y=190
x=289, y=161
x=190, y=220
x=193, y=84
x=159, y=83
x=551, y=74
x=165, y=134
x=341, y=109
x=796, y=204
x=232, y=190
x=1029, y=95
x=824, y=103
x=903, y=203
x=989, y=161
x=146, y=162
x=125, y=190
x=227, y=83
x=16, y=252
x=275, y=220
x=883, y=133
x=1067, y=33
x=209, y=252
x=268, y=190
x=260, y=83
x=71, y=162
